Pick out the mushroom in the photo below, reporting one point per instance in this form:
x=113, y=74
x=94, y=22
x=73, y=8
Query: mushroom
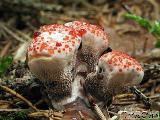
x=115, y=73
x=51, y=58
x=94, y=43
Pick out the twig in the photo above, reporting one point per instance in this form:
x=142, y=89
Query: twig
x=11, y=33
x=5, y=49
x=81, y=115
x=18, y=96
x=23, y=35
x=13, y=110
x=48, y=114
x=156, y=7
x=30, y=26
x=99, y=112
x=141, y=96
x=154, y=97
x=157, y=89
x=92, y=103
x=145, y=44
x=38, y=114
x=126, y=7
x=124, y=103
x=39, y=102
x=113, y=113
x=57, y=114
x=127, y=99
x=123, y=96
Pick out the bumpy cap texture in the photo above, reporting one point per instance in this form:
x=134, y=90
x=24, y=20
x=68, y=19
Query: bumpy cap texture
x=119, y=63
x=95, y=31
x=57, y=41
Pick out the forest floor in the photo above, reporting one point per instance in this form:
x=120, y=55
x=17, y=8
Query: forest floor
x=20, y=19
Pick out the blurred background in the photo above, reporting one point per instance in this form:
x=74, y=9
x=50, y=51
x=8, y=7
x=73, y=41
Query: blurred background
x=20, y=18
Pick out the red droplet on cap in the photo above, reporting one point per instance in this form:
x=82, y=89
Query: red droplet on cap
x=58, y=44
x=81, y=32
x=66, y=46
x=73, y=33
x=36, y=34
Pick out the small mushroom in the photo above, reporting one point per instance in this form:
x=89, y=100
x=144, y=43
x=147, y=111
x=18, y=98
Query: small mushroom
x=115, y=73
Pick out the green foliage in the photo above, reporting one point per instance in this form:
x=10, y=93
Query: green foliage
x=5, y=62
x=157, y=45
x=141, y=21
x=156, y=29
x=14, y=116
x=153, y=28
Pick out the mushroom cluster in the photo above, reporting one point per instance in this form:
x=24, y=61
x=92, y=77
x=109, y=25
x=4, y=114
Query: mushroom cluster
x=94, y=43
x=57, y=53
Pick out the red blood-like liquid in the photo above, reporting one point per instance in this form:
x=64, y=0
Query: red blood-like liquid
x=36, y=34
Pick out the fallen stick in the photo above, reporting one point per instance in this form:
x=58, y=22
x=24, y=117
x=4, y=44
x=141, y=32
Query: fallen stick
x=18, y=96
x=92, y=103
x=13, y=110
x=48, y=114
x=11, y=33
x=99, y=112
x=5, y=49
x=81, y=115
x=95, y=107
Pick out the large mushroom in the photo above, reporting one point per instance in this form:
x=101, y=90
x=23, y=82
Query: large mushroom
x=115, y=73
x=51, y=58
x=94, y=43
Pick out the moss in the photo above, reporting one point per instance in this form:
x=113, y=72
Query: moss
x=5, y=62
x=13, y=116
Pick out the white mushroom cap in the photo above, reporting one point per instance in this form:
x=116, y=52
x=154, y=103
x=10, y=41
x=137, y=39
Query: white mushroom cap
x=52, y=51
x=120, y=70
x=56, y=41
x=94, y=35
x=94, y=43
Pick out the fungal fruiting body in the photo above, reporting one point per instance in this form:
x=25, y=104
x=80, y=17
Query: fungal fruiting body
x=115, y=73
x=51, y=58
x=94, y=43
